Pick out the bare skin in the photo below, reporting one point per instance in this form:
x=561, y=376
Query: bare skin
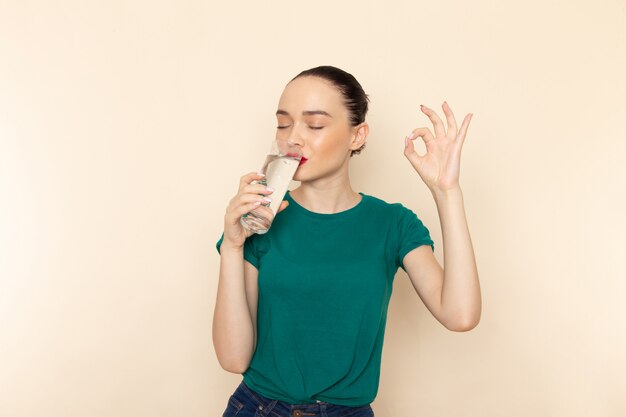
x=312, y=114
x=234, y=317
x=452, y=293
x=326, y=141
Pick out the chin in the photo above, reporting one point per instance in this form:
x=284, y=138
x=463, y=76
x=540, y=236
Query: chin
x=300, y=176
x=297, y=177
x=298, y=173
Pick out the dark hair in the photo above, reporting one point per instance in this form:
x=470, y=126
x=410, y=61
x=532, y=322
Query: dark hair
x=355, y=98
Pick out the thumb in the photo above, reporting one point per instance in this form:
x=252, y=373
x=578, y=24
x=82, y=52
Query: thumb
x=409, y=151
x=283, y=205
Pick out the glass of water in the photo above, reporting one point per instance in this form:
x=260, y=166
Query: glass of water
x=279, y=167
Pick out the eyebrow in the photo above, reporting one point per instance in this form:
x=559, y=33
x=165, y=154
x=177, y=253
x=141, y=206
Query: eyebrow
x=305, y=113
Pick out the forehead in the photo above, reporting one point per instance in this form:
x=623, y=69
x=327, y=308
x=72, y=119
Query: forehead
x=311, y=93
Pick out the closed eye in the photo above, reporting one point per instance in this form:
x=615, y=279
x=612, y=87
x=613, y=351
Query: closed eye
x=310, y=127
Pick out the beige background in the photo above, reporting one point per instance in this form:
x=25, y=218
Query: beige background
x=124, y=129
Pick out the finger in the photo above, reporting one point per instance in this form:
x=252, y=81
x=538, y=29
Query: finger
x=243, y=202
x=257, y=207
x=422, y=132
x=450, y=118
x=411, y=154
x=265, y=212
x=256, y=189
x=248, y=178
x=463, y=130
x=235, y=212
x=439, y=129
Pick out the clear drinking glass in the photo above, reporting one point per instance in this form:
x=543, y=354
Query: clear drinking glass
x=279, y=168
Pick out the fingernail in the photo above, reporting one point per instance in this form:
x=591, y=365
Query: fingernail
x=267, y=199
x=269, y=189
x=406, y=142
x=258, y=173
x=411, y=135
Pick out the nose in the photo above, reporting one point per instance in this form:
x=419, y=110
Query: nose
x=295, y=138
x=295, y=141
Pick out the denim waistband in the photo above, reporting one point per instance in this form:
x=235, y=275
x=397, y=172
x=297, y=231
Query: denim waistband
x=276, y=408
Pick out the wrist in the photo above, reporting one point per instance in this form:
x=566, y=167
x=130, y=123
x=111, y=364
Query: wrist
x=450, y=193
x=229, y=246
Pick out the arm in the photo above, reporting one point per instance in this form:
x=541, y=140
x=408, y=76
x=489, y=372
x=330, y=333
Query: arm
x=235, y=314
x=451, y=294
x=234, y=318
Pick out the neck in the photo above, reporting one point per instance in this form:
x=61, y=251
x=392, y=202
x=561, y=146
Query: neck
x=326, y=199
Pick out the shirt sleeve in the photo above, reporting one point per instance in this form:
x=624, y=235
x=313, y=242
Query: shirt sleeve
x=250, y=249
x=412, y=234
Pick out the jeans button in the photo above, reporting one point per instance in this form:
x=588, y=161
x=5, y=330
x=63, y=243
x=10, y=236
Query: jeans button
x=297, y=413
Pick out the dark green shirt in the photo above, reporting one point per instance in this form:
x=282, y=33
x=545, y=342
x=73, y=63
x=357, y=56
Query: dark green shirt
x=325, y=281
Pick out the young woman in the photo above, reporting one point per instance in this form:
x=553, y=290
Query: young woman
x=301, y=310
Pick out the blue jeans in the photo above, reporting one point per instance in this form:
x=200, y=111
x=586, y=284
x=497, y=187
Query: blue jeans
x=248, y=403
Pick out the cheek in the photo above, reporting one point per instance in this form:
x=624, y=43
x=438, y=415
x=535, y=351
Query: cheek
x=332, y=144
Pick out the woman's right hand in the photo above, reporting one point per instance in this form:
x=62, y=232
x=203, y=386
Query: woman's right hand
x=246, y=200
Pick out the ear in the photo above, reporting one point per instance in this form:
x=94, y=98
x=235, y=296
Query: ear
x=359, y=135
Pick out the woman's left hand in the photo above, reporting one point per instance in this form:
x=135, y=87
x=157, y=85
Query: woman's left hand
x=439, y=167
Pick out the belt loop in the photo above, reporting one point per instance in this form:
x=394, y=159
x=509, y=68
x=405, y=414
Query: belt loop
x=265, y=411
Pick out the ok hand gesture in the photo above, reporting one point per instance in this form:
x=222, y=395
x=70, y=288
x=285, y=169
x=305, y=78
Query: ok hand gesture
x=439, y=167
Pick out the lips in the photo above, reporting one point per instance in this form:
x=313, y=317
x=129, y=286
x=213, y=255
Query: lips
x=302, y=161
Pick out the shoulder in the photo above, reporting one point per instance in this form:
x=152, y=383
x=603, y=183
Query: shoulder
x=402, y=219
x=396, y=209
